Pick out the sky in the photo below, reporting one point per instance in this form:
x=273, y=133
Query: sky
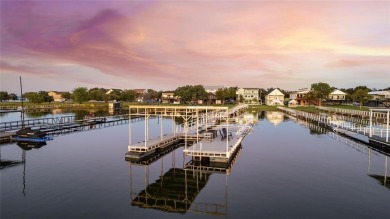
x=161, y=45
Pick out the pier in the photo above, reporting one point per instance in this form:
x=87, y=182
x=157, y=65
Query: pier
x=201, y=127
x=62, y=125
x=374, y=133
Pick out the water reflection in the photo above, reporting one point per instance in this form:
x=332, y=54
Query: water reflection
x=360, y=146
x=177, y=189
x=274, y=117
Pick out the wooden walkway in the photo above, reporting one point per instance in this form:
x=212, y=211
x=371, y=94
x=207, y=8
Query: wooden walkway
x=348, y=128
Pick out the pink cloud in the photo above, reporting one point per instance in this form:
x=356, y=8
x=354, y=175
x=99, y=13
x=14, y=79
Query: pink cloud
x=169, y=44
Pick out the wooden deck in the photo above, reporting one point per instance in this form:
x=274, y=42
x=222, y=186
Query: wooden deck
x=216, y=150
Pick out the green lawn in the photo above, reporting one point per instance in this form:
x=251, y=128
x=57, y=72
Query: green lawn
x=262, y=108
x=350, y=107
x=309, y=109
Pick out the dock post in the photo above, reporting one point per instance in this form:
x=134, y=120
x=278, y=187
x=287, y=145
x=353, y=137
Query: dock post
x=385, y=170
x=370, y=135
x=227, y=133
x=161, y=128
x=130, y=127
x=387, y=127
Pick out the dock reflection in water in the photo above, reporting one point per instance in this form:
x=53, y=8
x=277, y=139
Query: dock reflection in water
x=176, y=190
x=360, y=146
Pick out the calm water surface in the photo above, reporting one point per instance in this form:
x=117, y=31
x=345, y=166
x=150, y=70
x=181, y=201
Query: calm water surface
x=284, y=170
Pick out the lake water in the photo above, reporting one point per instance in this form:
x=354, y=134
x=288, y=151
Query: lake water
x=284, y=170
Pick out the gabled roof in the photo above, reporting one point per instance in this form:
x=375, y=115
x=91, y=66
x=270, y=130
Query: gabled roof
x=58, y=92
x=139, y=90
x=337, y=92
x=276, y=92
x=383, y=92
x=302, y=91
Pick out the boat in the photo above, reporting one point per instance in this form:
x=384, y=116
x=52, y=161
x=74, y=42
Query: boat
x=27, y=133
x=92, y=119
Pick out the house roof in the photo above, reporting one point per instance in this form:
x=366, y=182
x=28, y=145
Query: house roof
x=383, y=92
x=302, y=91
x=276, y=92
x=58, y=92
x=337, y=92
x=139, y=90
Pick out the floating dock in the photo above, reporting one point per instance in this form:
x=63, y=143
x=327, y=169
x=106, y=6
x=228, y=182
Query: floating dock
x=201, y=132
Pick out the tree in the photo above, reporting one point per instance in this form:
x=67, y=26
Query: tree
x=320, y=91
x=3, y=96
x=221, y=94
x=45, y=96
x=128, y=95
x=362, y=88
x=190, y=93
x=66, y=95
x=361, y=96
x=12, y=96
x=96, y=94
x=152, y=94
x=80, y=94
x=310, y=97
x=34, y=97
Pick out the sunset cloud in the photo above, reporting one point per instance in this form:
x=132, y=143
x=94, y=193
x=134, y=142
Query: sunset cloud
x=164, y=44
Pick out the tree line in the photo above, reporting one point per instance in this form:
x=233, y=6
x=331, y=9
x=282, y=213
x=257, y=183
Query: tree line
x=189, y=93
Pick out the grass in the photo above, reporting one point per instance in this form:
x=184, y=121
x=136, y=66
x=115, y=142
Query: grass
x=309, y=109
x=262, y=108
x=350, y=107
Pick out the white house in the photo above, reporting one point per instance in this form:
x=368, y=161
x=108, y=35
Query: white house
x=248, y=95
x=337, y=95
x=57, y=96
x=276, y=97
x=380, y=95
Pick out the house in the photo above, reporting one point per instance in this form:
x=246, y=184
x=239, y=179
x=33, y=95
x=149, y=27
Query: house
x=380, y=95
x=248, y=95
x=300, y=96
x=114, y=106
x=292, y=103
x=211, y=99
x=142, y=93
x=212, y=89
x=337, y=95
x=379, y=98
x=169, y=97
x=274, y=98
x=57, y=96
x=110, y=91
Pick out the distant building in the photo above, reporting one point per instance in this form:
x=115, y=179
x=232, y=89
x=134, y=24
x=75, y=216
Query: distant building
x=337, y=95
x=380, y=95
x=110, y=91
x=300, y=96
x=57, y=96
x=212, y=89
x=379, y=98
x=248, y=95
x=169, y=97
x=275, y=98
x=114, y=106
x=141, y=94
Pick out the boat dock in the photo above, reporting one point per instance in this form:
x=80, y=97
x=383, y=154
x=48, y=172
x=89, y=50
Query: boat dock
x=377, y=133
x=57, y=126
x=205, y=132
